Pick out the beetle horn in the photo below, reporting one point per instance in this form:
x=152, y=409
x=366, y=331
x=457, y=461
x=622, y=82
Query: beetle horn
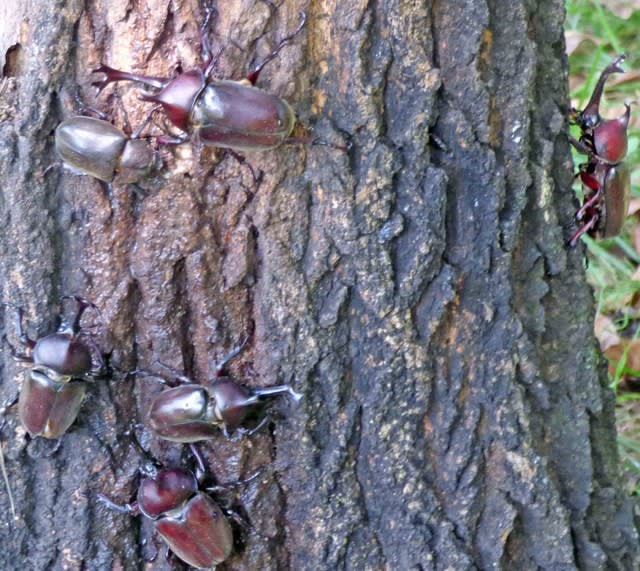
x=111, y=75
x=591, y=113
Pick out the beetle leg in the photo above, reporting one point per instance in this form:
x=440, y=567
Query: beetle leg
x=220, y=366
x=22, y=335
x=209, y=61
x=132, y=508
x=253, y=76
x=584, y=228
x=201, y=469
x=147, y=120
x=243, y=162
x=277, y=390
x=588, y=204
x=169, y=140
x=251, y=431
x=580, y=146
x=20, y=357
x=5, y=405
x=238, y=519
x=182, y=379
x=81, y=306
x=222, y=488
x=84, y=108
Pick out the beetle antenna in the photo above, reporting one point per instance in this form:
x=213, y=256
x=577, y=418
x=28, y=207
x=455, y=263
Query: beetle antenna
x=220, y=366
x=81, y=306
x=151, y=465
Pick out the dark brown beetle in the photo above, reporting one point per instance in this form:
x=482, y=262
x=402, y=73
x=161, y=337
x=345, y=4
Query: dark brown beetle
x=219, y=113
x=185, y=516
x=190, y=412
x=62, y=362
x=98, y=148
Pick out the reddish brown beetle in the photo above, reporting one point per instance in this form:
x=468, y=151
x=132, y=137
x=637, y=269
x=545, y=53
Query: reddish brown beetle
x=219, y=113
x=62, y=362
x=185, y=516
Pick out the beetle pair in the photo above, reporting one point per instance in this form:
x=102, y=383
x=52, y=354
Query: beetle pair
x=221, y=113
x=605, y=177
x=62, y=363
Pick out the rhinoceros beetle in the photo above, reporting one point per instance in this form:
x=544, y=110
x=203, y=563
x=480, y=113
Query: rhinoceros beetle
x=605, y=177
x=190, y=412
x=186, y=517
x=61, y=363
x=98, y=148
x=219, y=113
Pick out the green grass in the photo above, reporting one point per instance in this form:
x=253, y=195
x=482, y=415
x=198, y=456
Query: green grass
x=613, y=262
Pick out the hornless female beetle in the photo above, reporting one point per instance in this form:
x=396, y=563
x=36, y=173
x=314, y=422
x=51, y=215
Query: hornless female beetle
x=190, y=412
x=52, y=394
x=98, y=148
x=191, y=523
x=218, y=113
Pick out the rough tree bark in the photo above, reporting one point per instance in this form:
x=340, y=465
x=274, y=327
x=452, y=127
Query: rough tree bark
x=455, y=413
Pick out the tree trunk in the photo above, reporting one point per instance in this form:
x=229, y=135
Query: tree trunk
x=415, y=288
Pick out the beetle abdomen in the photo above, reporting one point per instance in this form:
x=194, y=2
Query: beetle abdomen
x=48, y=408
x=617, y=190
x=200, y=535
x=91, y=146
x=234, y=115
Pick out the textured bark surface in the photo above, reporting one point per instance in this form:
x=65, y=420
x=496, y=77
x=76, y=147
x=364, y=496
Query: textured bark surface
x=455, y=414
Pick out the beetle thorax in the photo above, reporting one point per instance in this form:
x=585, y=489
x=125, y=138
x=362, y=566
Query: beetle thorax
x=64, y=353
x=166, y=493
x=178, y=96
